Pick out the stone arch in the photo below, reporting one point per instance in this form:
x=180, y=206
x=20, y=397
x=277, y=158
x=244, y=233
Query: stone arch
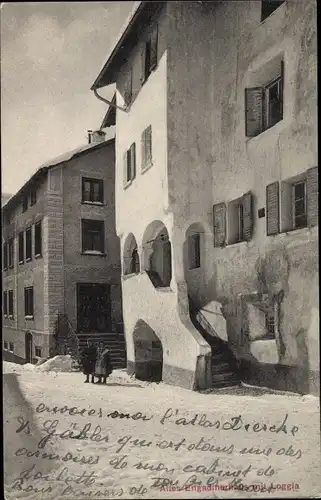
x=157, y=254
x=148, y=353
x=131, y=262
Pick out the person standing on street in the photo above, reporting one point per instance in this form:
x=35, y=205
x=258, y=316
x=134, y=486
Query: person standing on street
x=88, y=361
x=103, y=366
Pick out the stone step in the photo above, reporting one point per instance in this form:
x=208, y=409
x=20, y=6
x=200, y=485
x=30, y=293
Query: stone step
x=221, y=367
x=218, y=377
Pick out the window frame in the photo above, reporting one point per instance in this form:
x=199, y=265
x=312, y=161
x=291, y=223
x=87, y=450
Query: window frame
x=21, y=245
x=28, y=259
x=25, y=203
x=194, y=251
x=38, y=355
x=267, y=121
x=28, y=310
x=294, y=201
x=5, y=256
x=10, y=304
x=11, y=253
x=33, y=196
x=92, y=181
x=11, y=349
x=6, y=345
x=84, y=238
x=38, y=225
x=5, y=303
x=147, y=155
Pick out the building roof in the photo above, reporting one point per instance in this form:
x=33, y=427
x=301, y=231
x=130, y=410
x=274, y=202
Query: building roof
x=42, y=170
x=139, y=17
x=110, y=117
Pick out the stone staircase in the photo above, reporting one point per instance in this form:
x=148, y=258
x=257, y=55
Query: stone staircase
x=115, y=342
x=224, y=365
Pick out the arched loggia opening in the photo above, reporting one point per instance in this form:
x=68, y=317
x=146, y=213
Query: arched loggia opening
x=131, y=263
x=157, y=254
x=148, y=353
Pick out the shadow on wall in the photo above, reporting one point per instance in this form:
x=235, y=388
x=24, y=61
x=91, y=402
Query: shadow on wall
x=157, y=254
x=148, y=353
x=18, y=414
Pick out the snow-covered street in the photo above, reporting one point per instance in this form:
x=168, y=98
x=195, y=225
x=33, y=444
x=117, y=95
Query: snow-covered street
x=67, y=439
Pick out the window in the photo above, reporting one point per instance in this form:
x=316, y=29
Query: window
x=270, y=323
x=11, y=253
x=128, y=87
x=29, y=243
x=11, y=346
x=5, y=303
x=38, y=239
x=134, y=263
x=38, y=352
x=240, y=220
x=298, y=205
x=92, y=190
x=25, y=203
x=93, y=236
x=129, y=165
x=149, y=55
x=147, y=147
x=33, y=197
x=10, y=303
x=5, y=345
x=269, y=6
x=29, y=302
x=264, y=106
x=20, y=247
x=5, y=256
x=194, y=255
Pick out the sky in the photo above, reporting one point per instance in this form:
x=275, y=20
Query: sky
x=51, y=54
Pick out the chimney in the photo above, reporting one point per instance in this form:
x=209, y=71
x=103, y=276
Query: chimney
x=96, y=136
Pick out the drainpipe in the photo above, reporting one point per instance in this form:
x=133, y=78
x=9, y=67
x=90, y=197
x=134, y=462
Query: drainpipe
x=106, y=101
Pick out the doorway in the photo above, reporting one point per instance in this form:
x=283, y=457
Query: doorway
x=28, y=347
x=93, y=308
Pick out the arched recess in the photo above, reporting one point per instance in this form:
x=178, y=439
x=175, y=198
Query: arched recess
x=131, y=263
x=157, y=254
x=148, y=353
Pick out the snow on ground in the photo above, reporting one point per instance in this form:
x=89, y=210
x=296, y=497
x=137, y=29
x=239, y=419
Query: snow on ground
x=221, y=442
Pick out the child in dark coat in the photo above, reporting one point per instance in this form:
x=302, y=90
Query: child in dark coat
x=88, y=361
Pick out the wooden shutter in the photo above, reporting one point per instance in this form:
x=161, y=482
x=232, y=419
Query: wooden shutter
x=272, y=208
x=148, y=140
x=253, y=111
x=153, y=48
x=282, y=90
x=125, y=179
x=312, y=196
x=247, y=202
x=128, y=90
x=219, y=222
x=133, y=161
x=143, y=142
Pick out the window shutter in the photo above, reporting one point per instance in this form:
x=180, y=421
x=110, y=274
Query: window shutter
x=148, y=140
x=142, y=57
x=312, y=196
x=125, y=178
x=143, y=141
x=153, y=48
x=219, y=220
x=272, y=208
x=128, y=91
x=247, y=202
x=281, y=90
x=253, y=111
x=133, y=161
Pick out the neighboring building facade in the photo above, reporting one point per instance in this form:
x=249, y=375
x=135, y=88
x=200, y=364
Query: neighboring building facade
x=217, y=189
x=61, y=255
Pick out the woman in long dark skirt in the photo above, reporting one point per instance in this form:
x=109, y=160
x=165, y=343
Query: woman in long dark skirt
x=88, y=361
x=103, y=366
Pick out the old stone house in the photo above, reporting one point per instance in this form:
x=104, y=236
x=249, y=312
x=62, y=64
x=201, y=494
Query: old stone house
x=61, y=257
x=217, y=191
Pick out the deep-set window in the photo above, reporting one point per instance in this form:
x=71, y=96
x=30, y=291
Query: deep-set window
x=293, y=203
x=147, y=147
x=38, y=351
x=5, y=303
x=25, y=203
x=129, y=165
x=269, y=6
x=38, y=239
x=93, y=236
x=270, y=323
x=92, y=190
x=21, y=247
x=149, y=55
x=264, y=106
x=5, y=256
x=233, y=222
x=28, y=292
x=5, y=345
x=11, y=346
x=29, y=243
x=11, y=253
x=10, y=303
x=194, y=253
x=33, y=196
